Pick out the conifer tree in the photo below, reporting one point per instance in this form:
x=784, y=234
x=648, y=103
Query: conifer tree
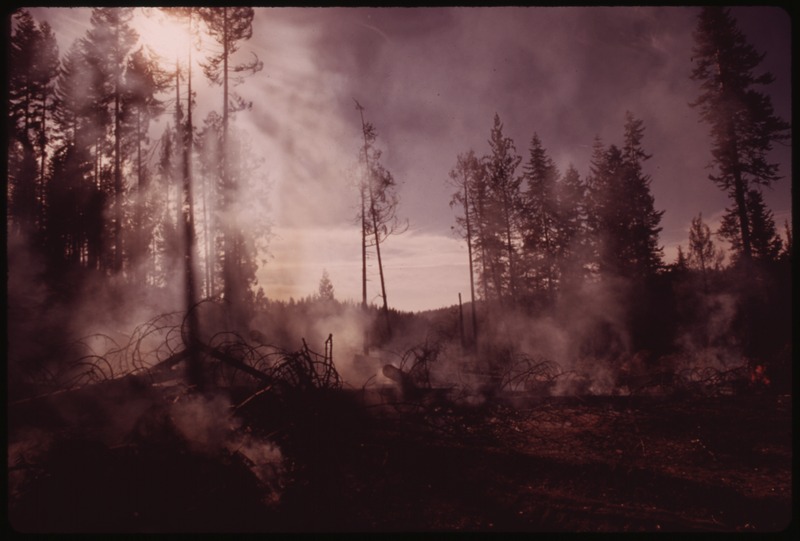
x=107, y=45
x=540, y=221
x=502, y=212
x=765, y=243
x=743, y=124
x=228, y=26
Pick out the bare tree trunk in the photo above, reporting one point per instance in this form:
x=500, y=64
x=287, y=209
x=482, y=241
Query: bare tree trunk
x=461, y=322
x=380, y=263
x=138, y=234
x=364, y=231
x=195, y=373
x=117, y=168
x=43, y=144
x=207, y=243
x=230, y=276
x=364, y=264
x=471, y=270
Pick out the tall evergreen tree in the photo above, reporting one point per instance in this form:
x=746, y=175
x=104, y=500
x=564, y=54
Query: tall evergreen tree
x=646, y=256
x=743, y=124
x=502, y=225
x=325, y=290
x=107, y=45
x=33, y=68
x=540, y=221
x=765, y=243
x=145, y=79
x=572, y=227
x=228, y=26
x=622, y=220
x=74, y=168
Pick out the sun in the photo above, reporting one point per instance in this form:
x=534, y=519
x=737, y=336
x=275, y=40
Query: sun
x=166, y=34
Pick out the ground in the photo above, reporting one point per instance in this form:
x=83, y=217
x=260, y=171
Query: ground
x=353, y=462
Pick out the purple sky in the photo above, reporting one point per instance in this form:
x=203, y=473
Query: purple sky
x=431, y=80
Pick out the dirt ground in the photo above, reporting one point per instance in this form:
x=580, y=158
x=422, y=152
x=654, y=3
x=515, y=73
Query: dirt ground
x=570, y=464
x=526, y=464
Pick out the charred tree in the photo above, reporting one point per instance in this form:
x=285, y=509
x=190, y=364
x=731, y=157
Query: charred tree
x=463, y=178
x=381, y=202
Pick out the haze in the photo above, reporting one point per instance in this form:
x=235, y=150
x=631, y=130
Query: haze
x=431, y=80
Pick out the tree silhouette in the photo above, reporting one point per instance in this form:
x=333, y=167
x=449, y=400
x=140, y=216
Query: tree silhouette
x=703, y=254
x=765, y=243
x=463, y=178
x=572, y=227
x=622, y=219
x=325, y=290
x=379, y=203
x=742, y=121
x=502, y=213
x=541, y=221
x=107, y=45
x=228, y=26
x=145, y=79
x=32, y=71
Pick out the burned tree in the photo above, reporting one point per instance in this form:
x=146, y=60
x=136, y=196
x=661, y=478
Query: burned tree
x=463, y=177
x=378, y=207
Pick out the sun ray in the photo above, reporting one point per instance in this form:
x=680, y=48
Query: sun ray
x=168, y=35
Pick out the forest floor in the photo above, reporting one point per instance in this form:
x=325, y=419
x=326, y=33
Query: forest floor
x=350, y=463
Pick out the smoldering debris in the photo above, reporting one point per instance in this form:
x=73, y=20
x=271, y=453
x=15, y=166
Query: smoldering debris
x=284, y=428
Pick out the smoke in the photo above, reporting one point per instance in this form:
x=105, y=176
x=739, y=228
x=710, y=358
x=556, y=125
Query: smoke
x=208, y=425
x=710, y=340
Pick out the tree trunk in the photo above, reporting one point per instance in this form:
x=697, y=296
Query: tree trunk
x=364, y=265
x=471, y=270
x=117, y=168
x=380, y=263
x=195, y=373
x=43, y=145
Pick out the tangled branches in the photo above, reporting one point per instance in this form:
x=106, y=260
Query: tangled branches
x=529, y=374
x=155, y=347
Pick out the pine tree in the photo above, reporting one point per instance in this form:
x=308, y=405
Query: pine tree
x=607, y=216
x=33, y=68
x=540, y=221
x=228, y=26
x=622, y=220
x=742, y=121
x=325, y=290
x=645, y=253
x=502, y=211
x=572, y=232
x=145, y=79
x=765, y=243
x=107, y=45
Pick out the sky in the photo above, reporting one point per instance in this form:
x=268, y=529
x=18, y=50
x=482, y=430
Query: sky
x=431, y=81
